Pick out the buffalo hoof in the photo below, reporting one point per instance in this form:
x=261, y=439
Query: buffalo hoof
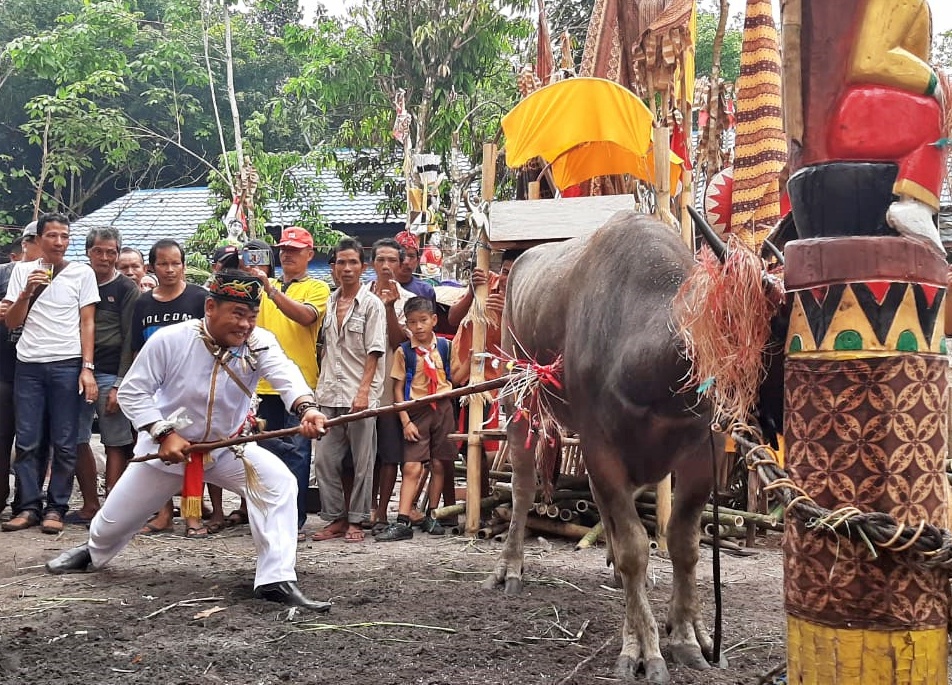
x=656, y=672
x=491, y=583
x=709, y=656
x=513, y=586
x=690, y=656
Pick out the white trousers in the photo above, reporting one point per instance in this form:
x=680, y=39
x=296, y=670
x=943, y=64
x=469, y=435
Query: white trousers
x=146, y=486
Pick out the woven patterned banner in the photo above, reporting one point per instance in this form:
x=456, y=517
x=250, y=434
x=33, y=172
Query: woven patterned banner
x=760, y=152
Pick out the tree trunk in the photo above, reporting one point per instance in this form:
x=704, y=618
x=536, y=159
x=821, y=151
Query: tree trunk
x=230, y=72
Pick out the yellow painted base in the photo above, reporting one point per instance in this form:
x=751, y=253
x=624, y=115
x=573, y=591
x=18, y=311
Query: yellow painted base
x=819, y=655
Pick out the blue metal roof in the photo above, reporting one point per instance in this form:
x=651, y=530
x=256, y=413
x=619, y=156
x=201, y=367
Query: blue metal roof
x=336, y=204
x=144, y=216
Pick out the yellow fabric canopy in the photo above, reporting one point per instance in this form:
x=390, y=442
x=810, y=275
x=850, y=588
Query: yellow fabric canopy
x=584, y=127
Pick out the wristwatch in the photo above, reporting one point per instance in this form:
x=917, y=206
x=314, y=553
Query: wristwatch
x=160, y=429
x=89, y=365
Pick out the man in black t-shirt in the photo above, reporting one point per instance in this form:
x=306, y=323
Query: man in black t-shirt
x=171, y=301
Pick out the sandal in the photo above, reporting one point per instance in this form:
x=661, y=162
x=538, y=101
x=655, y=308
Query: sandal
x=196, y=532
x=22, y=521
x=215, y=526
x=152, y=529
x=52, y=523
x=236, y=518
x=354, y=535
x=325, y=534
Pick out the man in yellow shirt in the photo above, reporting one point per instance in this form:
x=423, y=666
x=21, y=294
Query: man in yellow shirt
x=292, y=308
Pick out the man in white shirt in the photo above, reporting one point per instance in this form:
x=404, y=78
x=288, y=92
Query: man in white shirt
x=193, y=382
x=55, y=302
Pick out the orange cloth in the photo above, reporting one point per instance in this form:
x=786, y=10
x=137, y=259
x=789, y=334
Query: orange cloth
x=584, y=127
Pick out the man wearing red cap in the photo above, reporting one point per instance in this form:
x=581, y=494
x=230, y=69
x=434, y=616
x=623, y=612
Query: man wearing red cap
x=292, y=308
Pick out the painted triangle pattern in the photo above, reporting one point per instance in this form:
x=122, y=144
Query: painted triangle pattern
x=928, y=304
x=819, y=307
x=880, y=308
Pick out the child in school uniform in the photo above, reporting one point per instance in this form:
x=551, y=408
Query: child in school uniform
x=421, y=367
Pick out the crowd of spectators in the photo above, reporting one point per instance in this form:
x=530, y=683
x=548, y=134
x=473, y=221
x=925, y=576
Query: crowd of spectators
x=70, y=330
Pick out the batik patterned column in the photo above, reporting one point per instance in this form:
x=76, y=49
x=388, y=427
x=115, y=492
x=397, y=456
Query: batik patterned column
x=866, y=416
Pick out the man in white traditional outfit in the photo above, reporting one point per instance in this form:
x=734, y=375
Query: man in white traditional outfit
x=193, y=382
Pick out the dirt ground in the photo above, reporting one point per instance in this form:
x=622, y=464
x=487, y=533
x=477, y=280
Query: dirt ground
x=140, y=620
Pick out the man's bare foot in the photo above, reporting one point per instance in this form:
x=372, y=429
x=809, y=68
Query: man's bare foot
x=354, y=533
x=216, y=522
x=335, y=529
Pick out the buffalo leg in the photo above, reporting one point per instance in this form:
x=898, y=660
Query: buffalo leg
x=508, y=571
x=629, y=548
x=689, y=639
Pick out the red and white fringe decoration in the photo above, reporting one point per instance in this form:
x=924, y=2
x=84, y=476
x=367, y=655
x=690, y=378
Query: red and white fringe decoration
x=722, y=313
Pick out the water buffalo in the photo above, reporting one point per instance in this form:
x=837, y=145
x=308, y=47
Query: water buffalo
x=604, y=303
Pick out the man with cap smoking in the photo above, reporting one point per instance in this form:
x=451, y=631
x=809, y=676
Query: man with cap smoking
x=193, y=382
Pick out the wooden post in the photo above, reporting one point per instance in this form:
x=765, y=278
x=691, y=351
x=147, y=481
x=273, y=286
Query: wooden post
x=474, y=447
x=663, y=512
x=687, y=176
x=535, y=190
x=662, y=170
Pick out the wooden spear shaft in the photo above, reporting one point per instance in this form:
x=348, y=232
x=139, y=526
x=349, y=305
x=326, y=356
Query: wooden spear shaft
x=346, y=418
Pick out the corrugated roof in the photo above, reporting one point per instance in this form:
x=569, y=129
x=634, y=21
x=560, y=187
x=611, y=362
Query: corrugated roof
x=336, y=204
x=144, y=216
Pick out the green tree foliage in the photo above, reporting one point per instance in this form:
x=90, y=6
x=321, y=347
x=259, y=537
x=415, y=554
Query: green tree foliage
x=572, y=16
x=116, y=93
x=707, y=17
x=942, y=50
x=453, y=59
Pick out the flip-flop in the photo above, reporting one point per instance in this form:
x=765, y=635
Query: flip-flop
x=196, y=532
x=236, y=518
x=76, y=519
x=214, y=527
x=152, y=529
x=354, y=536
x=324, y=534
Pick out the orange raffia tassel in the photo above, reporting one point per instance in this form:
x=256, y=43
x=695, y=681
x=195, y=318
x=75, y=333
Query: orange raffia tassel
x=722, y=314
x=193, y=486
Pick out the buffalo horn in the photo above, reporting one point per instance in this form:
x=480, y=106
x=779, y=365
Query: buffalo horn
x=717, y=245
x=775, y=251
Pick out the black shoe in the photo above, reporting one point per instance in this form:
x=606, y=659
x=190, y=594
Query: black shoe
x=287, y=592
x=395, y=531
x=432, y=526
x=75, y=560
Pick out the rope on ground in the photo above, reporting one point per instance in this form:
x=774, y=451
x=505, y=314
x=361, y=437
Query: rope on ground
x=923, y=545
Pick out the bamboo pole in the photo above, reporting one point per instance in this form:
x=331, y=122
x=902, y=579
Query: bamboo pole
x=663, y=504
x=545, y=525
x=474, y=448
x=791, y=12
x=493, y=500
x=687, y=177
x=597, y=531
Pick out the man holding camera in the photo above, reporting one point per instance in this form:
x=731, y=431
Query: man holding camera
x=292, y=308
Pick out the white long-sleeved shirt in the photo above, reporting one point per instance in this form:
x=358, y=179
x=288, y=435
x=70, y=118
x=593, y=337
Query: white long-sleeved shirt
x=175, y=369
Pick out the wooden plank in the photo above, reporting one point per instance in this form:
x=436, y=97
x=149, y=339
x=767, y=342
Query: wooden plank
x=544, y=220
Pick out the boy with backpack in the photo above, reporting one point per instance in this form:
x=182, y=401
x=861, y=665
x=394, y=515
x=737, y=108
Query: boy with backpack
x=421, y=367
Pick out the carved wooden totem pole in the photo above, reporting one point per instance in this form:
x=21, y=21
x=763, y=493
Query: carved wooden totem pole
x=866, y=375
